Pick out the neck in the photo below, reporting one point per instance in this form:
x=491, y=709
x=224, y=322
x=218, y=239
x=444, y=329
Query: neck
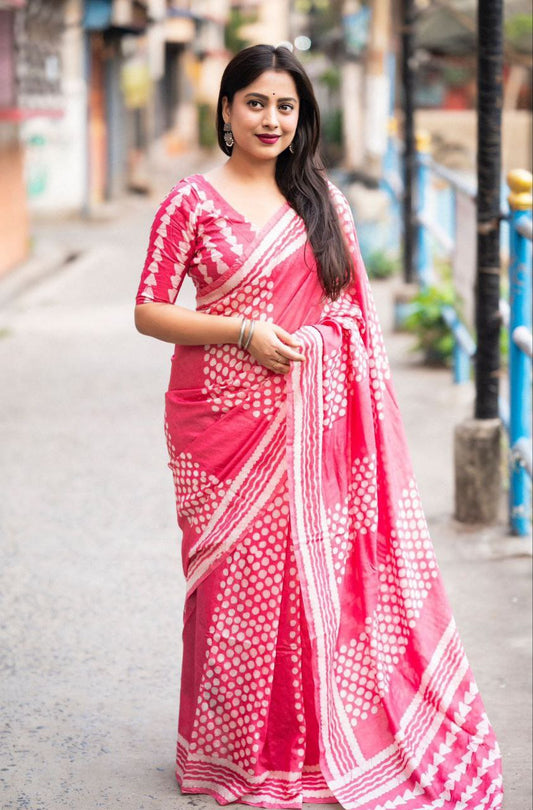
x=258, y=171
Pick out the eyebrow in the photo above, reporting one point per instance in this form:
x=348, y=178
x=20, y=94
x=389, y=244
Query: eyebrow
x=265, y=98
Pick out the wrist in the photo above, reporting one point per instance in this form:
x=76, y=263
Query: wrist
x=248, y=334
x=235, y=327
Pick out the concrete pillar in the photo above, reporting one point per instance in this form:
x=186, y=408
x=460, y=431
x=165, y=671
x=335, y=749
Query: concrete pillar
x=478, y=471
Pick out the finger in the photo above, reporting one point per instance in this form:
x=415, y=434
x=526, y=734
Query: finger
x=280, y=359
x=285, y=336
x=280, y=367
x=290, y=354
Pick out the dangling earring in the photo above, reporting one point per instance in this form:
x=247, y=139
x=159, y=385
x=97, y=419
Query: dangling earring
x=228, y=135
x=291, y=148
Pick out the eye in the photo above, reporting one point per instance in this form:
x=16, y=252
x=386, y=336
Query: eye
x=286, y=107
x=253, y=102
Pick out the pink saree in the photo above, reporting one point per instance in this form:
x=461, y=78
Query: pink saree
x=321, y=661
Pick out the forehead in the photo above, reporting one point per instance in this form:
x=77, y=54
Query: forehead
x=272, y=82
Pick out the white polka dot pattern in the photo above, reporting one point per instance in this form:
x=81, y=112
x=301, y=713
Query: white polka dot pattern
x=356, y=516
x=346, y=305
x=235, y=688
x=364, y=664
x=233, y=378
x=335, y=386
x=253, y=300
x=198, y=493
x=343, y=369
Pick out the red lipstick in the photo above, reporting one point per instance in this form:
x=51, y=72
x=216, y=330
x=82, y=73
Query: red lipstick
x=268, y=138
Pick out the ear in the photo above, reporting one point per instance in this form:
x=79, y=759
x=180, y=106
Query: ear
x=226, y=109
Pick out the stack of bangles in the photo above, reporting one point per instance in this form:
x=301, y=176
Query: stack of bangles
x=246, y=339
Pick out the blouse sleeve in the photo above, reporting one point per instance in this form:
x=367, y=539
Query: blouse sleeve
x=171, y=246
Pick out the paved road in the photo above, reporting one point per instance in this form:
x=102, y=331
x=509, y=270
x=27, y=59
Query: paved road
x=92, y=588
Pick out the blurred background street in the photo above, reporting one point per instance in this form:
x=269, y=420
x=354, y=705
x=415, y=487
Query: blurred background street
x=107, y=105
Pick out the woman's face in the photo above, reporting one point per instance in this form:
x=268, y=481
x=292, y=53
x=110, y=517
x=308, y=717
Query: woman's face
x=263, y=115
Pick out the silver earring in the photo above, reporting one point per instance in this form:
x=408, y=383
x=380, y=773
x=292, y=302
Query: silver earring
x=291, y=148
x=228, y=135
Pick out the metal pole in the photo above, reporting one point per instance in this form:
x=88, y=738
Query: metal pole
x=423, y=258
x=408, y=81
x=490, y=99
x=520, y=184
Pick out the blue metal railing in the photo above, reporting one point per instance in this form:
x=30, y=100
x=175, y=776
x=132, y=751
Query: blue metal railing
x=515, y=414
x=520, y=350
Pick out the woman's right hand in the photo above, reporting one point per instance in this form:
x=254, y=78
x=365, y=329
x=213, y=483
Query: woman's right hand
x=274, y=347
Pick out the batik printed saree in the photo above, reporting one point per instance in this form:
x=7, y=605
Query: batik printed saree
x=321, y=661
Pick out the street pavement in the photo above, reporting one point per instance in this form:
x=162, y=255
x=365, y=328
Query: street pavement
x=91, y=584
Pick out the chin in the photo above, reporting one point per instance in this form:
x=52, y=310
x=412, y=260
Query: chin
x=258, y=152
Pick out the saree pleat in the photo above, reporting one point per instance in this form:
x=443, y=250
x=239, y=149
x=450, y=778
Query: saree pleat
x=321, y=661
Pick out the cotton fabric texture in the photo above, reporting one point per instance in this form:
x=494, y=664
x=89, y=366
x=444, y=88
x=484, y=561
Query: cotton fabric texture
x=321, y=661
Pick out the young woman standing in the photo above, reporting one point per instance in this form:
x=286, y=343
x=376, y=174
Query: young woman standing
x=321, y=661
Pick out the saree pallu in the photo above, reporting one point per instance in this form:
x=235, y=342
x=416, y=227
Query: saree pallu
x=321, y=661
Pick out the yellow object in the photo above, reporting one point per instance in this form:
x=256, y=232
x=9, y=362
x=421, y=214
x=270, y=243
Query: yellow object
x=136, y=84
x=520, y=182
x=423, y=140
x=392, y=126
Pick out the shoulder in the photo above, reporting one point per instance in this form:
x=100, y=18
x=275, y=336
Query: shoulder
x=187, y=193
x=183, y=203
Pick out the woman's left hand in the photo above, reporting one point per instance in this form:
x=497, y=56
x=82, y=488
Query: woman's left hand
x=274, y=347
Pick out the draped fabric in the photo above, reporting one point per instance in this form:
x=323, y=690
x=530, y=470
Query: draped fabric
x=321, y=661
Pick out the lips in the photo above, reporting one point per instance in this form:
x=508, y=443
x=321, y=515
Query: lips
x=268, y=138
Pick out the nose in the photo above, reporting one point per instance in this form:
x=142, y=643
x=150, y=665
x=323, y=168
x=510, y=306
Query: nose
x=270, y=117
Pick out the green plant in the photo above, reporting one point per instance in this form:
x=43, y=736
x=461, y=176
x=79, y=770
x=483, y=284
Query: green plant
x=236, y=24
x=207, y=135
x=518, y=31
x=504, y=330
x=425, y=321
x=331, y=78
x=504, y=346
x=332, y=127
x=456, y=75
x=331, y=138
x=381, y=264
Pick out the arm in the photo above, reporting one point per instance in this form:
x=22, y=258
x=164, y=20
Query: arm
x=271, y=345
x=170, y=249
x=175, y=324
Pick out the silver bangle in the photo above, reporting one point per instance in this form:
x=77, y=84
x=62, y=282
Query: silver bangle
x=250, y=334
x=241, y=333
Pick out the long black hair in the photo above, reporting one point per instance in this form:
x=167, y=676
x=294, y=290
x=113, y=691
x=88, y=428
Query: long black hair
x=300, y=175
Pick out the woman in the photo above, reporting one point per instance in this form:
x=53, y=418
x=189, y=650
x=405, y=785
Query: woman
x=321, y=661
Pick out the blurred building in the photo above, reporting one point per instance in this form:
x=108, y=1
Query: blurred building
x=271, y=23
x=91, y=91
x=30, y=87
x=446, y=87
